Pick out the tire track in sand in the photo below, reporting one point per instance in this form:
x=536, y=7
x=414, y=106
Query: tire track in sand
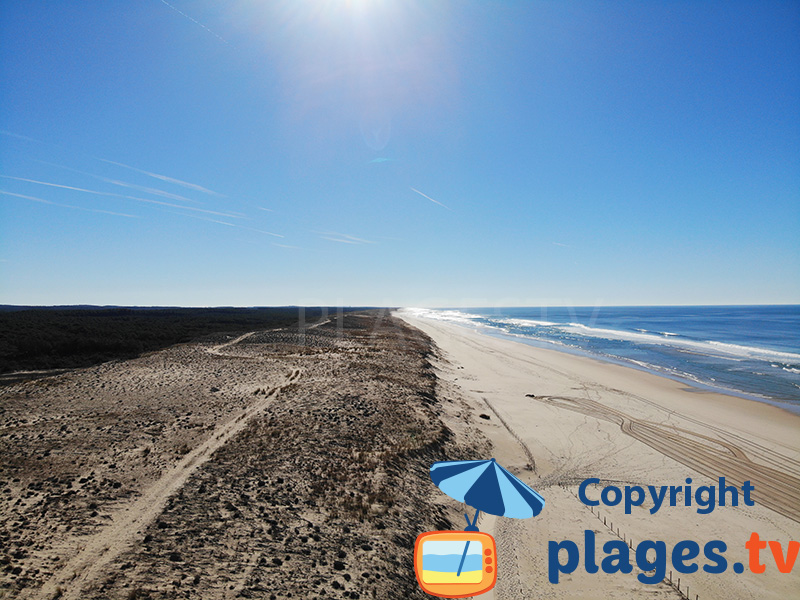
x=772, y=488
x=507, y=546
x=523, y=445
x=128, y=523
x=217, y=350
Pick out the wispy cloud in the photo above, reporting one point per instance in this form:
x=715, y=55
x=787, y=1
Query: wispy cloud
x=236, y=225
x=125, y=196
x=20, y=137
x=206, y=219
x=126, y=184
x=196, y=22
x=34, y=198
x=166, y=178
x=342, y=238
x=145, y=189
x=57, y=185
x=429, y=198
x=562, y=245
x=186, y=184
x=192, y=209
x=278, y=235
x=83, y=208
x=264, y=209
x=286, y=246
x=330, y=239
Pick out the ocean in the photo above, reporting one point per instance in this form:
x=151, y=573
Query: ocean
x=749, y=351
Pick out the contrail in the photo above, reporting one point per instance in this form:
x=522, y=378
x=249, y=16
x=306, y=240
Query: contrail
x=203, y=219
x=43, y=201
x=278, y=235
x=330, y=239
x=224, y=41
x=21, y=137
x=141, y=188
x=147, y=190
x=57, y=185
x=431, y=199
x=186, y=184
x=113, y=195
x=342, y=238
x=158, y=202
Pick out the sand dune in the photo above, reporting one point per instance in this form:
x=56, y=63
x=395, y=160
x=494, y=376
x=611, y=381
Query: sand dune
x=278, y=463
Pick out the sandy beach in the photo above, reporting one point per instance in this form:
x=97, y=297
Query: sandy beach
x=556, y=419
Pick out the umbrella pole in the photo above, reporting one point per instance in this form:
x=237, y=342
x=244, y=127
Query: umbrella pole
x=470, y=527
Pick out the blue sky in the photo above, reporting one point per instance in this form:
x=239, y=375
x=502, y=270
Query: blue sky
x=387, y=152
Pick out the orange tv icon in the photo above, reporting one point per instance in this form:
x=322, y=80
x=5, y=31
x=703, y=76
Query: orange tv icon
x=455, y=564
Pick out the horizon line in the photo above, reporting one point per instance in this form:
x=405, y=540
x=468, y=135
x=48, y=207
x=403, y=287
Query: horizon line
x=385, y=306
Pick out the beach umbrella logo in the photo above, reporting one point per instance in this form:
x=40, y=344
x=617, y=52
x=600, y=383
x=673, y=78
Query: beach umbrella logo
x=457, y=564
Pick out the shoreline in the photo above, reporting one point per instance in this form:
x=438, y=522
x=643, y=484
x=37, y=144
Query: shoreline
x=580, y=417
x=789, y=405
x=697, y=387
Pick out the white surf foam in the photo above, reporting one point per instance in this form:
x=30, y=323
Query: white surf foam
x=524, y=322
x=707, y=347
x=718, y=349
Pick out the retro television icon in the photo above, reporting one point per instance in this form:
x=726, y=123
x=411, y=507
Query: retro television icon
x=455, y=564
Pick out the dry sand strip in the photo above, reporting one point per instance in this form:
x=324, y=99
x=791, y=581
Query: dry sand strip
x=129, y=521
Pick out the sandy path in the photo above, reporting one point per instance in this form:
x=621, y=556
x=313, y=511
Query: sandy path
x=217, y=350
x=130, y=520
x=320, y=324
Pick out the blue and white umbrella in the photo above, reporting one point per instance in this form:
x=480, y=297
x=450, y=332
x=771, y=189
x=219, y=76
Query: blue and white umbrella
x=488, y=487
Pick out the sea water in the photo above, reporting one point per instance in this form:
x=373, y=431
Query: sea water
x=750, y=351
